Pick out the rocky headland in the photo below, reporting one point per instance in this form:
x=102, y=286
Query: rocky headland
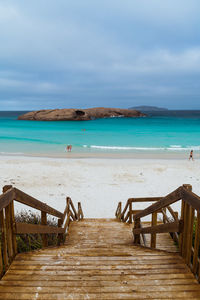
x=80, y=114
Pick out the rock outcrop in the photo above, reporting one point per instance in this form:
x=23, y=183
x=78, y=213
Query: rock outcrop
x=79, y=114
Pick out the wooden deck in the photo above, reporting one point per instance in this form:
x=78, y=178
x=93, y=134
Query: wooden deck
x=99, y=261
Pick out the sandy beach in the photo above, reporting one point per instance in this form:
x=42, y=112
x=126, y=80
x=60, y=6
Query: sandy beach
x=98, y=183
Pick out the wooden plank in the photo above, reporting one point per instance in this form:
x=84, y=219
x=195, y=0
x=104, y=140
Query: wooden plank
x=137, y=226
x=185, y=229
x=124, y=210
x=1, y=262
x=191, y=198
x=182, y=219
x=147, y=199
x=190, y=236
x=130, y=215
x=22, y=228
x=44, y=223
x=13, y=228
x=173, y=213
x=67, y=222
x=153, y=235
x=6, y=198
x=32, y=202
x=80, y=212
x=196, y=244
x=9, y=232
x=167, y=220
x=73, y=208
x=169, y=227
x=126, y=218
x=60, y=235
x=164, y=202
x=3, y=239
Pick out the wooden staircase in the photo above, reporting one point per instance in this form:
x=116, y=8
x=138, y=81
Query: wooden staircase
x=99, y=261
x=103, y=258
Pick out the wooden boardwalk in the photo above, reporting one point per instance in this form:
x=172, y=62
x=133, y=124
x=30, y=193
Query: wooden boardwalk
x=99, y=261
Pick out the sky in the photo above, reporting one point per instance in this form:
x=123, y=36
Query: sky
x=112, y=53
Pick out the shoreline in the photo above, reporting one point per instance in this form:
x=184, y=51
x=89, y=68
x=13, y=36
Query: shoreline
x=108, y=155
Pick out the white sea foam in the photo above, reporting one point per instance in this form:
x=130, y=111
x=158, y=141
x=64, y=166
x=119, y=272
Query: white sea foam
x=170, y=148
x=11, y=153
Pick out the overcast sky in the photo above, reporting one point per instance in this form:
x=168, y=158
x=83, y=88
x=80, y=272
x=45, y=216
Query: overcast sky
x=114, y=53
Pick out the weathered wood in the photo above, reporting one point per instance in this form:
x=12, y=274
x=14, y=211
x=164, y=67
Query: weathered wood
x=67, y=222
x=118, y=211
x=73, y=209
x=6, y=198
x=124, y=210
x=6, y=188
x=153, y=235
x=191, y=198
x=9, y=232
x=196, y=244
x=22, y=228
x=190, y=236
x=32, y=202
x=169, y=227
x=173, y=213
x=4, y=239
x=147, y=199
x=137, y=226
x=164, y=202
x=182, y=219
x=130, y=215
x=185, y=229
x=60, y=235
x=167, y=220
x=44, y=222
x=126, y=218
x=13, y=228
x=1, y=262
x=99, y=266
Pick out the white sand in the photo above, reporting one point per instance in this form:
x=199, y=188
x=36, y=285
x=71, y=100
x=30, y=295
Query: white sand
x=99, y=184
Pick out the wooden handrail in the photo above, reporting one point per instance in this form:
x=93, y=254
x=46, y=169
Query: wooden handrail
x=162, y=228
x=10, y=228
x=127, y=214
x=190, y=198
x=164, y=202
x=184, y=230
x=34, y=203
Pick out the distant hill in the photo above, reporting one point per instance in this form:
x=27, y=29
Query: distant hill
x=144, y=108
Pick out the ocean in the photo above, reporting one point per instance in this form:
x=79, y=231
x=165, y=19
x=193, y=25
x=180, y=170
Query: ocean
x=167, y=131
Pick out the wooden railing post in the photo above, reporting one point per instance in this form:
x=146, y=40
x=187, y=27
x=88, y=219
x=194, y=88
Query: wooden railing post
x=60, y=235
x=137, y=236
x=9, y=233
x=44, y=222
x=10, y=215
x=9, y=220
x=130, y=212
x=153, y=235
x=188, y=218
x=196, y=244
x=3, y=239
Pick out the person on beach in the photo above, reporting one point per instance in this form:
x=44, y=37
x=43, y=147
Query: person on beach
x=191, y=155
x=70, y=148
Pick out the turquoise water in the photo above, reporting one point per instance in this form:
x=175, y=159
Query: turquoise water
x=167, y=132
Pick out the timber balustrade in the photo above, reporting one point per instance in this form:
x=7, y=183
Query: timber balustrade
x=10, y=228
x=184, y=228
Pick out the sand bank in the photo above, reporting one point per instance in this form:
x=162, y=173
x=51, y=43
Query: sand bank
x=98, y=183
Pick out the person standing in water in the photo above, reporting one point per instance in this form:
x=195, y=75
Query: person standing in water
x=191, y=155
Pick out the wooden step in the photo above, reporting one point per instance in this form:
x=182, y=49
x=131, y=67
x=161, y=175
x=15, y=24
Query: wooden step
x=99, y=261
